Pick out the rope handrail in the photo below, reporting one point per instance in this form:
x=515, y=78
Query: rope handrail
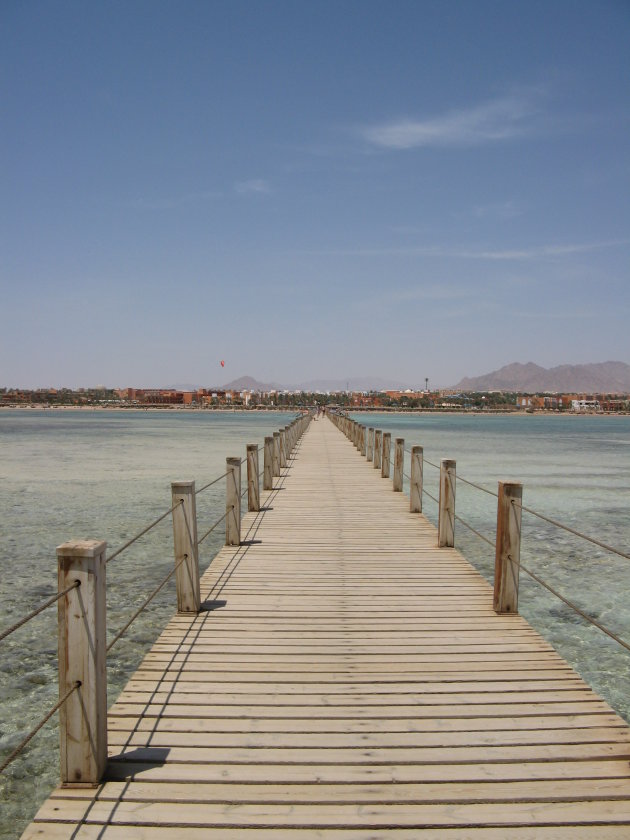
x=142, y=533
x=478, y=486
x=210, y=530
x=470, y=528
x=121, y=632
x=573, y=606
x=210, y=483
x=37, y=611
x=34, y=731
x=588, y=618
x=572, y=531
x=459, y=477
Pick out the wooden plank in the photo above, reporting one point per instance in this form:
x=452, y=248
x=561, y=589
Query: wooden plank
x=60, y=831
x=340, y=814
x=319, y=697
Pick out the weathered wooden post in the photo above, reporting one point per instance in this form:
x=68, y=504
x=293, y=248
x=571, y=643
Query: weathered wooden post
x=82, y=660
x=364, y=441
x=370, y=444
x=446, y=516
x=276, y=454
x=253, y=483
x=508, y=547
x=415, y=485
x=287, y=444
x=185, y=546
x=268, y=464
x=399, y=461
x=282, y=448
x=378, y=449
x=387, y=453
x=233, y=501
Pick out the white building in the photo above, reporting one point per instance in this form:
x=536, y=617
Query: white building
x=584, y=405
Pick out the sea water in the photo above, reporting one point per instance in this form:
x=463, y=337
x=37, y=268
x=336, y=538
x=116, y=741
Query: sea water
x=68, y=474
x=82, y=474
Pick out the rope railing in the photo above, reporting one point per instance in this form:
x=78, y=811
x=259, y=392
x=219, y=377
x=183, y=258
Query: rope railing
x=474, y=530
x=570, y=604
x=21, y=746
x=426, y=493
x=87, y=560
x=142, y=533
x=515, y=503
x=146, y=603
x=592, y=540
x=210, y=483
x=52, y=600
x=478, y=486
x=211, y=529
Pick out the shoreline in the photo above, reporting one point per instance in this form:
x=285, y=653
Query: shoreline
x=295, y=409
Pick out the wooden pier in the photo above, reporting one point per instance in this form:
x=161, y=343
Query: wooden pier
x=348, y=680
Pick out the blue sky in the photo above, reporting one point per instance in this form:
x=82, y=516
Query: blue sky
x=307, y=190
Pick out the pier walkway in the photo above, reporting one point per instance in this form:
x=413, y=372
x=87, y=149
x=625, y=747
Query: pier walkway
x=347, y=680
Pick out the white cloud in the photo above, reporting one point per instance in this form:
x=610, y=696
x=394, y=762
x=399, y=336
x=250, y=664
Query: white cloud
x=500, y=119
x=254, y=185
x=534, y=253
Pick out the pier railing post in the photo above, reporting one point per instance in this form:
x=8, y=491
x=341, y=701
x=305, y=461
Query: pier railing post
x=364, y=441
x=370, y=444
x=185, y=546
x=446, y=516
x=287, y=444
x=233, y=501
x=282, y=448
x=268, y=464
x=82, y=659
x=253, y=483
x=399, y=461
x=387, y=454
x=508, y=548
x=275, y=462
x=415, y=485
x=378, y=449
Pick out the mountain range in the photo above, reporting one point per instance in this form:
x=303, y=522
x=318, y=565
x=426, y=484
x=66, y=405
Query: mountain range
x=603, y=377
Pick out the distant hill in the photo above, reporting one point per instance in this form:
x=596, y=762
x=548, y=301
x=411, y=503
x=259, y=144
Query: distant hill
x=608, y=377
x=248, y=383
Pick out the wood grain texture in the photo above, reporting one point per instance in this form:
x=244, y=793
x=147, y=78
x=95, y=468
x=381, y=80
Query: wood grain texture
x=348, y=680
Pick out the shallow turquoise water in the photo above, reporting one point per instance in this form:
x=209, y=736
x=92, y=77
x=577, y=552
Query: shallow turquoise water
x=94, y=475
x=104, y=475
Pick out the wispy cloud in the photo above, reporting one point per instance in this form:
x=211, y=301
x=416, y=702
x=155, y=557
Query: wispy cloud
x=544, y=251
x=496, y=120
x=254, y=185
x=537, y=252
